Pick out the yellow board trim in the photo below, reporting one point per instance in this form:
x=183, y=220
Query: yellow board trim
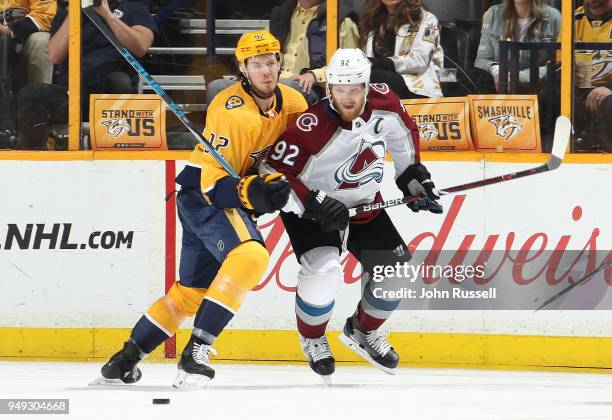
x=577, y=158
x=74, y=76
x=567, y=57
x=479, y=351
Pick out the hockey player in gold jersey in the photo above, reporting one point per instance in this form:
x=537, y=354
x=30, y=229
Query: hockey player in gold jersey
x=593, y=76
x=27, y=23
x=223, y=254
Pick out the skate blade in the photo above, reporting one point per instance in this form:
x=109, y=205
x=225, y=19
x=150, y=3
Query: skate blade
x=364, y=354
x=188, y=381
x=327, y=379
x=101, y=381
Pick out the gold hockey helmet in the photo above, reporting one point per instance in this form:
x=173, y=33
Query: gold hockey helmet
x=251, y=44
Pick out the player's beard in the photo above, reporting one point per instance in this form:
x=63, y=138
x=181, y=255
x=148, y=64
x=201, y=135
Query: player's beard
x=350, y=114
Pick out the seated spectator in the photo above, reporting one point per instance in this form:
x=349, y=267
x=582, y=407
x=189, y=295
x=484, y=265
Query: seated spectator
x=301, y=27
x=593, y=106
x=26, y=23
x=402, y=41
x=104, y=68
x=514, y=20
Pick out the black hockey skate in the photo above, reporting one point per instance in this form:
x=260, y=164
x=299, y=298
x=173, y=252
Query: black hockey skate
x=319, y=357
x=371, y=346
x=121, y=368
x=194, y=369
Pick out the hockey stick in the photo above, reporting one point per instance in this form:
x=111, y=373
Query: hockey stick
x=87, y=6
x=603, y=265
x=563, y=129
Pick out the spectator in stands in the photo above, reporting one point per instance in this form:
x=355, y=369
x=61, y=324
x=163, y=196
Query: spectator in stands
x=301, y=27
x=402, y=41
x=593, y=23
x=514, y=20
x=103, y=66
x=26, y=24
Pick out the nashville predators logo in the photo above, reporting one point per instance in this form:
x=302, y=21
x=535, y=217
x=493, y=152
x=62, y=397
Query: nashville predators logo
x=506, y=126
x=116, y=127
x=234, y=102
x=363, y=167
x=427, y=131
x=601, y=70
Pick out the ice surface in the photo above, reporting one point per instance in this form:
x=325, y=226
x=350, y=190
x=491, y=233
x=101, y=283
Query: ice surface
x=294, y=392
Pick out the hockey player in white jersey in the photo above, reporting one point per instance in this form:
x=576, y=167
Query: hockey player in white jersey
x=334, y=159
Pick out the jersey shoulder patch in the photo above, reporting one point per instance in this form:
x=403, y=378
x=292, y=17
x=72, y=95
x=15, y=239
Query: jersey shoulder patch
x=313, y=129
x=381, y=88
x=381, y=96
x=233, y=102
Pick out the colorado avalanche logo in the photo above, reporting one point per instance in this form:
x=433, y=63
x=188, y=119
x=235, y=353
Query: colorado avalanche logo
x=507, y=126
x=363, y=167
x=116, y=127
x=306, y=121
x=427, y=131
x=380, y=88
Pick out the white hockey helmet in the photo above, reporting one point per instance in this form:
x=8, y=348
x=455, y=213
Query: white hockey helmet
x=348, y=66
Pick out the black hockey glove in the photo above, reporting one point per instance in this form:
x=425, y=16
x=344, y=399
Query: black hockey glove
x=332, y=213
x=264, y=194
x=415, y=180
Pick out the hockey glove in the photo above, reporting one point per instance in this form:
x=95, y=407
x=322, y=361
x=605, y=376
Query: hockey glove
x=415, y=180
x=332, y=213
x=264, y=194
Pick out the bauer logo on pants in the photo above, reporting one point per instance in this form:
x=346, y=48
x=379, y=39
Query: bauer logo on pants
x=127, y=122
x=505, y=122
x=443, y=123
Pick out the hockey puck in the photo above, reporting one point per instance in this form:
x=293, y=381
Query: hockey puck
x=161, y=400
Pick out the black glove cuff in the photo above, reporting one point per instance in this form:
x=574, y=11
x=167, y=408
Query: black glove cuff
x=416, y=171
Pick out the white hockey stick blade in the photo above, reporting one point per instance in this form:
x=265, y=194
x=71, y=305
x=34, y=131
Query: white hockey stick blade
x=563, y=133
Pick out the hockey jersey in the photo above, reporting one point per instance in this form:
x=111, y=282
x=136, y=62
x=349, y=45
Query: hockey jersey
x=589, y=29
x=345, y=159
x=240, y=132
x=27, y=16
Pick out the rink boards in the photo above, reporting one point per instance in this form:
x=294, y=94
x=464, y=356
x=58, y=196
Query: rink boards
x=85, y=247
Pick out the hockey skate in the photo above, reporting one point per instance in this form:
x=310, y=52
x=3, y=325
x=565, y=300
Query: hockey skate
x=194, y=369
x=371, y=346
x=319, y=357
x=121, y=368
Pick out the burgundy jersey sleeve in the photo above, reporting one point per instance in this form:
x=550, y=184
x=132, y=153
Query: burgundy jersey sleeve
x=289, y=155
